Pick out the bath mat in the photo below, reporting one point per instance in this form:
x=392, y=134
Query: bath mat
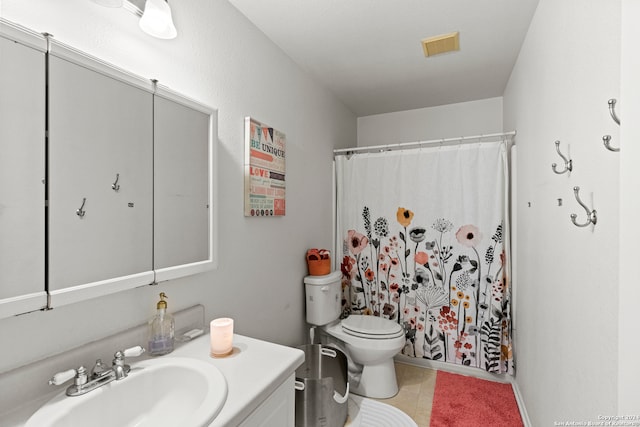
x=365, y=412
x=461, y=401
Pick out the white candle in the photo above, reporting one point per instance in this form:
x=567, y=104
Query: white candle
x=221, y=336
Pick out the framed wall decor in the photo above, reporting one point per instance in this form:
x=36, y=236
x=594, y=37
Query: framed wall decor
x=264, y=169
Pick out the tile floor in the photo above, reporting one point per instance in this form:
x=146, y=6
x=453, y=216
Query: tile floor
x=414, y=398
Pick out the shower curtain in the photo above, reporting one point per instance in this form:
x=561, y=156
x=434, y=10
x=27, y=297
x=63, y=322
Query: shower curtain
x=424, y=240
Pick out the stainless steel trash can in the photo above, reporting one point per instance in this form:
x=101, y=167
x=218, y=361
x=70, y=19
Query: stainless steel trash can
x=322, y=387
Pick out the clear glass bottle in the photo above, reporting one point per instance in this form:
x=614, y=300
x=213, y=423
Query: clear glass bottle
x=161, y=330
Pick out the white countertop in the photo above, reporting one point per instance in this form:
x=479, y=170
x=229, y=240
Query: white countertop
x=253, y=371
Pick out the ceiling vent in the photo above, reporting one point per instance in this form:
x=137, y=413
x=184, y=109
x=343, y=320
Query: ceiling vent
x=441, y=44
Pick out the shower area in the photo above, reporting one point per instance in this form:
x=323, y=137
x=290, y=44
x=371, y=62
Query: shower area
x=422, y=238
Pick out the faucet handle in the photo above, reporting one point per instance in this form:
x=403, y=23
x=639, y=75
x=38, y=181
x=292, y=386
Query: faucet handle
x=134, y=351
x=119, y=367
x=62, y=377
x=118, y=357
x=129, y=352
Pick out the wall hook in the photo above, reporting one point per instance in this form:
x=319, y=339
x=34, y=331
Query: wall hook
x=115, y=186
x=568, y=163
x=612, y=110
x=80, y=212
x=592, y=218
x=607, y=143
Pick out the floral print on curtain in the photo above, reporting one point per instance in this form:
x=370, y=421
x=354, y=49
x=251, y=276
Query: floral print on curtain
x=445, y=282
x=451, y=299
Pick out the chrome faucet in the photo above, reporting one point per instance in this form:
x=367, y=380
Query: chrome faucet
x=100, y=374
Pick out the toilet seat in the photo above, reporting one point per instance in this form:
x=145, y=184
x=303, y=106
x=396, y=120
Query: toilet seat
x=371, y=327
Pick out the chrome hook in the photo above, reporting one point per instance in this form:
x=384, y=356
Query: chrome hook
x=115, y=186
x=607, y=143
x=592, y=218
x=568, y=163
x=80, y=212
x=612, y=110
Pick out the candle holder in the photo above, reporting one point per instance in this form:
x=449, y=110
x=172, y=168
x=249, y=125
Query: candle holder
x=221, y=337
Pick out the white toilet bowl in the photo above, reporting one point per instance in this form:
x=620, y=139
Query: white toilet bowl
x=371, y=342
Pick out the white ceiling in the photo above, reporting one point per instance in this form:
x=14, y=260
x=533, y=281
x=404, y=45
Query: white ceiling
x=369, y=53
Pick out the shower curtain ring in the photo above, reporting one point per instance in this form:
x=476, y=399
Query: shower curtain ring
x=568, y=163
x=592, y=217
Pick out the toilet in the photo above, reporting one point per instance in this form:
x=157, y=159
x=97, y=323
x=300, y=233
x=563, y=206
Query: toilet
x=369, y=342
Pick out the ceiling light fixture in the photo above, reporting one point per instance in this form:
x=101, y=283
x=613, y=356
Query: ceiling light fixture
x=157, y=20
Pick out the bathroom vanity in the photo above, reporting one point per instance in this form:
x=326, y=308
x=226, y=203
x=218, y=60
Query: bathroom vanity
x=259, y=378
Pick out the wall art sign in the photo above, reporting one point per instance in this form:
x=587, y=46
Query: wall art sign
x=264, y=169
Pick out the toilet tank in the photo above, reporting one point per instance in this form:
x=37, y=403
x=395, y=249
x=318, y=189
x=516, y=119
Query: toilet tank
x=323, y=298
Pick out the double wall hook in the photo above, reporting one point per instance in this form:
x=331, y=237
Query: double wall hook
x=80, y=212
x=592, y=217
x=568, y=163
x=607, y=138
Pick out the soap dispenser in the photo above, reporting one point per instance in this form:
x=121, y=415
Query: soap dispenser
x=161, y=330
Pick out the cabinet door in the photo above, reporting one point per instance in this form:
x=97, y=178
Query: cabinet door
x=22, y=171
x=100, y=132
x=277, y=410
x=183, y=143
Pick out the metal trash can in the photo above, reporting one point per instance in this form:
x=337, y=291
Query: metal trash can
x=322, y=387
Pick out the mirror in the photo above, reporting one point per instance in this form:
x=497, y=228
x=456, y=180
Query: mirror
x=130, y=177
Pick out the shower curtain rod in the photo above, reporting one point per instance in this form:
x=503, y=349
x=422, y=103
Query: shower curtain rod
x=444, y=141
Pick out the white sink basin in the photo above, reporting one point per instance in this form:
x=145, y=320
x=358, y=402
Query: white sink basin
x=169, y=391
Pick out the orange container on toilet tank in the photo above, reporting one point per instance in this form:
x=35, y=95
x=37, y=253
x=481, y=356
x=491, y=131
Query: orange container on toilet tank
x=318, y=262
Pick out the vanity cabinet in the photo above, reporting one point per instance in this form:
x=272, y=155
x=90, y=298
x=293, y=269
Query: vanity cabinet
x=22, y=170
x=100, y=178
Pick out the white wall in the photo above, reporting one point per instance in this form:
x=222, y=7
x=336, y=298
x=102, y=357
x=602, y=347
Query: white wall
x=629, y=326
x=567, y=340
x=222, y=60
x=423, y=124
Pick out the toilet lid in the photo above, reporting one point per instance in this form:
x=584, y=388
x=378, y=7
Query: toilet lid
x=371, y=327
